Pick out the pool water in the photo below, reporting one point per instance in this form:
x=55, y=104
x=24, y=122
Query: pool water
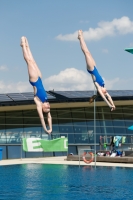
x=64, y=182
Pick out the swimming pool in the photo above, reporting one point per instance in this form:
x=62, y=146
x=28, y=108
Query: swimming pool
x=65, y=182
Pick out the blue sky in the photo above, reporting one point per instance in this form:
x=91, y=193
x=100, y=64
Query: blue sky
x=51, y=29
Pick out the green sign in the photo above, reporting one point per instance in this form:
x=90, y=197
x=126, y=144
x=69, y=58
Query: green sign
x=39, y=145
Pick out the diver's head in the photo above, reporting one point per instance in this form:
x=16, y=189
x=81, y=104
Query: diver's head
x=104, y=91
x=46, y=107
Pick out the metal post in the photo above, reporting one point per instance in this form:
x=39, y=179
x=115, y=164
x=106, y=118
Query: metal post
x=67, y=143
x=104, y=126
x=95, y=128
x=79, y=157
x=21, y=148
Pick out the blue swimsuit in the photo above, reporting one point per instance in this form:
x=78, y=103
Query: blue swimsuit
x=41, y=93
x=98, y=78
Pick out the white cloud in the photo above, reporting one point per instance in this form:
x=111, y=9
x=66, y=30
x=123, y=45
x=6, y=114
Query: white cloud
x=105, y=51
x=111, y=84
x=15, y=87
x=131, y=44
x=70, y=79
x=84, y=21
x=123, y=84
x=3, y=68
x=119, y=26
x=73, y=79
x=68, y=37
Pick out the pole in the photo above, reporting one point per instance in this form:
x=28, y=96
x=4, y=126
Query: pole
x=94, y=128
x=79, y=157
x=21, y=148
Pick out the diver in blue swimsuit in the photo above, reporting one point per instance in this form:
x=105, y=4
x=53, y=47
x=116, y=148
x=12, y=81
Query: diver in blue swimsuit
x=97, y=79
x=40, y=95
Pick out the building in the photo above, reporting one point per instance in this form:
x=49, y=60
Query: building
x=72, y=116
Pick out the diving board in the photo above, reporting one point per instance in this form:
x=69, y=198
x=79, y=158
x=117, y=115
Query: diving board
x=39, y=145
x=130, y=50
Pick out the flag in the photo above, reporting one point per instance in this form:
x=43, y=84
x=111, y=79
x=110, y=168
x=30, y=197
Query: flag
x=39, y=145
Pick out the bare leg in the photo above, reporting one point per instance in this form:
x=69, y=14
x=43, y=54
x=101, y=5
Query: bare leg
x=88, y=57
x=31, y=57
x=32, y=71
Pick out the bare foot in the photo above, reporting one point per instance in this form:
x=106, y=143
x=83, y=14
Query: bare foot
x=22, y=41
x=80, y=34
x=26, y=41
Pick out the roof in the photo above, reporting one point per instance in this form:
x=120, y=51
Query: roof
x=130, y=50
x=10, y=99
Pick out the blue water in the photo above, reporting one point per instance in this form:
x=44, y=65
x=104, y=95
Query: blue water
x=62, y=182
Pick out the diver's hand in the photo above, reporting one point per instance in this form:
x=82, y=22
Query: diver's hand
x=112, y=108
x=49, y=131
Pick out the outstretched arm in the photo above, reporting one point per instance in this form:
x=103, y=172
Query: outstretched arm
x=49, y=118
x=40, y=113
x=108, y=101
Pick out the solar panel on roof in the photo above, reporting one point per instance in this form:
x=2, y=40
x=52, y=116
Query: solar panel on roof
x=50, y=96
x=87, y=94
x=17, y=96
x=4, y=97
x=4, y=100
x=29, y=95
x=119, y=93
x=71, y=95
x=75, y=94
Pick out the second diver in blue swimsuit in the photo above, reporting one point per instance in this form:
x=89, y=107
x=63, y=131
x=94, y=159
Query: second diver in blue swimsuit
x=97, y=79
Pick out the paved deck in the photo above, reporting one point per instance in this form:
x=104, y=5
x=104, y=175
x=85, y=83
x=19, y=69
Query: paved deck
x=59, y=160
